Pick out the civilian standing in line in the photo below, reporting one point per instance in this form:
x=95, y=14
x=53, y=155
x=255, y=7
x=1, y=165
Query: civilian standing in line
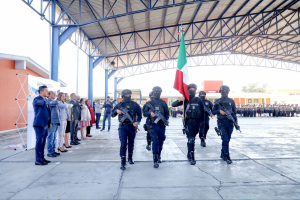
x=55, y=123
x=63, y=117
x=41, y=123
x=75, y=117
x=90, y=108
x=107, y=113
x=68, y=128
x=85, y=119
x=98, y=110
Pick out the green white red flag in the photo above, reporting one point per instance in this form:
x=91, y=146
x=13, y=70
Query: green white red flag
x=182, y=78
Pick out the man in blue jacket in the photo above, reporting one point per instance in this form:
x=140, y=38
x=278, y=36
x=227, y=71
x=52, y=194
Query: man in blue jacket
x=55, y=123
x=41, y=124
x=107, y=113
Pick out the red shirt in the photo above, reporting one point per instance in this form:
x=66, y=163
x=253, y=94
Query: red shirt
x=92, y=115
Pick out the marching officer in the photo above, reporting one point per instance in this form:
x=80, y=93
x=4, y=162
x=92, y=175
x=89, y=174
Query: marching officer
x=225, y=126
x=194, y=119
x=157, y=129
x=148, y=124
x=127, y=129
x=209, y=106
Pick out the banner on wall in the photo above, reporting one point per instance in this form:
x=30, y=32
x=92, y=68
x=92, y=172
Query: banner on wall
x=33, y=86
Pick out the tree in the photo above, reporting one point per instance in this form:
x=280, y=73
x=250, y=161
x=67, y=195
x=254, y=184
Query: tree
x=254, y=87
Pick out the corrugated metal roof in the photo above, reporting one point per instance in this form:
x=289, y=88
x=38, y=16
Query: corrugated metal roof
x=134, y=33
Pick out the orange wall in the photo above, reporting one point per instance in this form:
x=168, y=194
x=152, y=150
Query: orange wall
x=237, y=101
x=242, y=101
x=9, y=88
x=268, y=100
x=165, y=99
x=212, y=85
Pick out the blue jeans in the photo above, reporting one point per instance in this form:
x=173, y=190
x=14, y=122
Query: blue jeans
x=98, y=116
x=226, y=128
x=126, y=136
x=108, y=117
x=41, y=135
x=51, y=138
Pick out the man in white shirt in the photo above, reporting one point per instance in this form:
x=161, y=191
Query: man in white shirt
x=98, y=113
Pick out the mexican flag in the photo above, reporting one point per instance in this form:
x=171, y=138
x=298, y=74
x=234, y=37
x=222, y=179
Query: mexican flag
x=182, y=78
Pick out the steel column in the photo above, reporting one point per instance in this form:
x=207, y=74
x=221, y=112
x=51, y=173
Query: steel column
x=140, y=97
x=90, y=79
x=116, y=84
x=54, y=46
x=106, y=84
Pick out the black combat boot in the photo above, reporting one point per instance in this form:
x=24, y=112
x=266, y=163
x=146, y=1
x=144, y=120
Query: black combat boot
x=123, y=163
x=148, y=147
x=222, y=155
x=155, y=160
x=203, y=144
x=228, y=160
x=159, y=158
x=130, y=161
x=188, y=156
x=192, y=160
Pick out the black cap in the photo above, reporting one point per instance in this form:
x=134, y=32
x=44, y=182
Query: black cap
x=157, y=89
x=192, y=85
x=125, y=92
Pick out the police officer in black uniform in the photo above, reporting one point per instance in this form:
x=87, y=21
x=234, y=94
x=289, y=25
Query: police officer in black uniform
x=242, y=111
x=127, y=130
x=194, y=119
x=157, y=130
x=148, y=124
x=246, y=111
x=209, y=106
x=225, y=125
x=251, y=111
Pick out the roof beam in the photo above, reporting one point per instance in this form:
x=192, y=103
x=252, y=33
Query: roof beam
x=172, y=4
x=189, y=23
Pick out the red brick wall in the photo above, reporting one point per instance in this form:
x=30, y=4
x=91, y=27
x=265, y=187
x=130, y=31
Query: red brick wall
x=212, y=85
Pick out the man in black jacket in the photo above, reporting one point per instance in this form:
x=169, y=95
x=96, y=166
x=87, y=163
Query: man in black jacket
x=194, y=119
x=75, y=117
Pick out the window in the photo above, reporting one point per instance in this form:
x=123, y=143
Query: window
x=255, y=100
x=249, y=100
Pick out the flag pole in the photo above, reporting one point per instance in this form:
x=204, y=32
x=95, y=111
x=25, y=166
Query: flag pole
x=183, y=113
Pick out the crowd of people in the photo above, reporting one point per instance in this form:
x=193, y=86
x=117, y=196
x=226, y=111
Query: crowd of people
x=58, y=118
x=268, y=110
x=63, y=116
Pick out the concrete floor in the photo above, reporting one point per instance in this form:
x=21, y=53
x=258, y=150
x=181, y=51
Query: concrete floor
x=266, y=160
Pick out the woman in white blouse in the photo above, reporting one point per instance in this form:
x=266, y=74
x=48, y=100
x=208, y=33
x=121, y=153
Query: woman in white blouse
x=85, y=119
